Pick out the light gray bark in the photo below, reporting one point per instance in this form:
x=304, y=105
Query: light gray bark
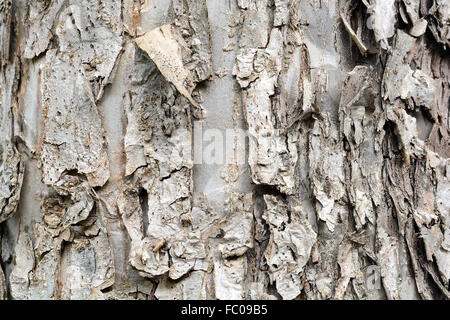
x=345, y=178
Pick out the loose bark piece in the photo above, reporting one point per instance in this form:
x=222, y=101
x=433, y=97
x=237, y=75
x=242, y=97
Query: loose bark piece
x=167, y=50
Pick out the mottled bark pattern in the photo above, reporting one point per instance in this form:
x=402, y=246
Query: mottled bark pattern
x=346, y=106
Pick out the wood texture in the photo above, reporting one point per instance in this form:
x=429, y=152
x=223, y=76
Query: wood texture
x=242, y=149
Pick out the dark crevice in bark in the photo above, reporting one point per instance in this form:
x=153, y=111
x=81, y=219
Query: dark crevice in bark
x=143, y=201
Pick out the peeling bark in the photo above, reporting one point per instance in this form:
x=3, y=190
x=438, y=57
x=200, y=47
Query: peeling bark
x=343, y=191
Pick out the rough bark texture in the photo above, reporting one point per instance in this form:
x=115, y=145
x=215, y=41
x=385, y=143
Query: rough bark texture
x=346, y=108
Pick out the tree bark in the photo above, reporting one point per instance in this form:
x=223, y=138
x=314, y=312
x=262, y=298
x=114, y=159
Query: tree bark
x=240, y=149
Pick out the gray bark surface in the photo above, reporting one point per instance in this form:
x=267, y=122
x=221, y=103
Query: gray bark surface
x=340, y=189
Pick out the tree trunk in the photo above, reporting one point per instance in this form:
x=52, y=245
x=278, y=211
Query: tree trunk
x=240, y=149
